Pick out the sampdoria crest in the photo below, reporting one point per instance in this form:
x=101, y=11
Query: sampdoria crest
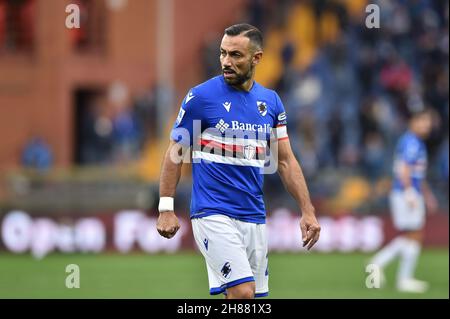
x=262, y=107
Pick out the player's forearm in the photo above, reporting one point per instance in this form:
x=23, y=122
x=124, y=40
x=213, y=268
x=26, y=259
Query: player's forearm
x=292, y=176
x=170, y=174
x=405, y=176
x=426, y=189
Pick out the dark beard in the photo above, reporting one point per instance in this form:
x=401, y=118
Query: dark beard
x=240, y=78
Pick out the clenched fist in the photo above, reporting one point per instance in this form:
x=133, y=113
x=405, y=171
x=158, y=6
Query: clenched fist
x=167, y=224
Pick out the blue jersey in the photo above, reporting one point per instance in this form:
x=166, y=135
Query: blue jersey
x=229, y=131
x=410, y=150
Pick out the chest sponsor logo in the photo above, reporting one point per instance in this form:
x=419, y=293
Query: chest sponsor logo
x=262, y=128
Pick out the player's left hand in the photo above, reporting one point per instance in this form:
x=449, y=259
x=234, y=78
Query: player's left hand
x=310, y=230
x=431, y=203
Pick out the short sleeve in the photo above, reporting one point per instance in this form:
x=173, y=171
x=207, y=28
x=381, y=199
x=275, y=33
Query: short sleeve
x=280, y=129
x=411, y=151
x=183, y=130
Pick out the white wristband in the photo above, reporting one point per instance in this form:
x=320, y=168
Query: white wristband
x=165, y=204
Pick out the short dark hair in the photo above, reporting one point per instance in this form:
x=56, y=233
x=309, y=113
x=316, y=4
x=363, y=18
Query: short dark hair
x=414, y=114
x=247, y=30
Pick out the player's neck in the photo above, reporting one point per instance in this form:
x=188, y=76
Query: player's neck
x=246, y=86
x=413, y=131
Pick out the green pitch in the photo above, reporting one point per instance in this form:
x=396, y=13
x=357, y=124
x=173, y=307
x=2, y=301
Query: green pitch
x=303, y=275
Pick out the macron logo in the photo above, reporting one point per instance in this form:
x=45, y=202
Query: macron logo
x=189, y=97
x=227, y=106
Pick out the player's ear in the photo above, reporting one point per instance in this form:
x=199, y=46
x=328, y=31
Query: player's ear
x=257, y=56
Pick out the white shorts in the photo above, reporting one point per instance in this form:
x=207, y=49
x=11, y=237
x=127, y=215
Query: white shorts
x=235, y=252
x=404, y=217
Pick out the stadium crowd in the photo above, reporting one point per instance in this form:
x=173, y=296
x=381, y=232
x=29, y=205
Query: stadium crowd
x=348, y=89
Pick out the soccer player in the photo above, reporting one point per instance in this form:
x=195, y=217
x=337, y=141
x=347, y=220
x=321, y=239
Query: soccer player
x=229, y=122
x=408, y=199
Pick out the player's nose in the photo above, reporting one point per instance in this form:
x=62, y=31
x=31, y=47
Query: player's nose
x=226, y=62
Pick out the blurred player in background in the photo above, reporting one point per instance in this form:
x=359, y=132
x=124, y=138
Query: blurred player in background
x=227, y=207
x=410, y=196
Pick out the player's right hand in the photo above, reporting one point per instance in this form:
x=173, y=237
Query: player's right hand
x=167, y=224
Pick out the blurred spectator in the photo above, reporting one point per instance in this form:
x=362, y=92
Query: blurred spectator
x=395, y=75
x=308, y=147
x=125, y=135
x=349, y=100
x=374, y=155
x=96, y=134
x=37, y=155
x=210, y=52
x=146, y=115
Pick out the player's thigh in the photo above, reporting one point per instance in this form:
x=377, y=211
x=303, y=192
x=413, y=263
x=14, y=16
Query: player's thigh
x=257, y=253
x=404, y=216
x=220, y=242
